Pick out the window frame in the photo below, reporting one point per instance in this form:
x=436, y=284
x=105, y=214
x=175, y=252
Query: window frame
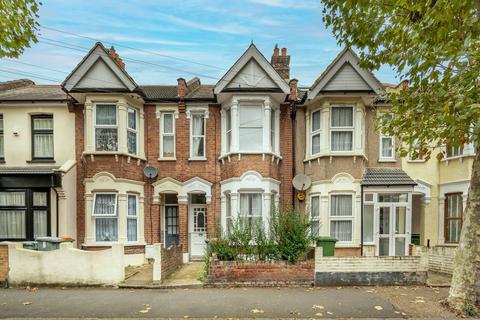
x=316, y=132
x=341, y=218
x=228, y=130
x=164, y=134
x=250, y=216
x=342, y=129
x=100, y=126
x=459, y=148
x=260, y=106
x=133, y=217
x=136, y=130
x=192, y=136
x=317, y=217
x=447, y=218
x=41, y=131
x=273, y=130
x=115, y=210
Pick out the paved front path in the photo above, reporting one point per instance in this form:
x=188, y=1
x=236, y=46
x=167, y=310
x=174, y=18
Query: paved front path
x=199, y=303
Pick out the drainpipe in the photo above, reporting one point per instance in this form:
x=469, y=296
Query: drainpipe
x=293, y=116
x=361, y=220
x=58, y=211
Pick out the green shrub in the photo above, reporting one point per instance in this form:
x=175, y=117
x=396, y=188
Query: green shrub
x=222, y=249
x=265, y=247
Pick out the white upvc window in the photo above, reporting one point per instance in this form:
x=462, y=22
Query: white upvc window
x=316, y=131
x=228, y=211
x=315, y=215
x=341, y=217
x=167, y=135
x=106, y=218
x=250, y=208
x=228, y=130
x=368, y=217
x=197, y=136
x=106, y=127
x=132, y=130
x=341, y=128
x=132, y=217
x=387, y=145
x=273, y=129
x=251, y=127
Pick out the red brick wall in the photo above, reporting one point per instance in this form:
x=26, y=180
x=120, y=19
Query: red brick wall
x=3, y=262
x=172, y=258
x=260, y=273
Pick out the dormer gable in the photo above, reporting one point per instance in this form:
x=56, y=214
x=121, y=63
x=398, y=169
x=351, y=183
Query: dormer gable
x=345, y=74
x=98, y=70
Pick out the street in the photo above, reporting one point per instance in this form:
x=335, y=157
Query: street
x=351, y=302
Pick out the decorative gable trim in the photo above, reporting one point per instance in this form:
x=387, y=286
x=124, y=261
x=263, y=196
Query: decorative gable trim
x=346, y=58
x=99, y=54
x=251, y=53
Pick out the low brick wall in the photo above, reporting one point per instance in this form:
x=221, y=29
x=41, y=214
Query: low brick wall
x=171, y=259
x=259, y=273
x=334, y=271
x=4, y=267
x=438, y=258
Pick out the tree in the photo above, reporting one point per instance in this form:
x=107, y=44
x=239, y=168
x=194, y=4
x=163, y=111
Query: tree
x=435, y=44
x=18, y=25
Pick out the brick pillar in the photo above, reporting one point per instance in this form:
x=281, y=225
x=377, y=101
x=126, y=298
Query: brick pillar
x=183, y=224
x=211, y=219
x=4, y=264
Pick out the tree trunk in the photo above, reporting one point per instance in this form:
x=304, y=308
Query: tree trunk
x=464, y=294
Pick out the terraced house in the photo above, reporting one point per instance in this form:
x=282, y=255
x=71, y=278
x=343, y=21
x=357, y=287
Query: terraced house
x=74, y=158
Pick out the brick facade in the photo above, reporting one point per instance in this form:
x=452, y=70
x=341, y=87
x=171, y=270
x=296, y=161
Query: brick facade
x=172, y=259
x=4, y=264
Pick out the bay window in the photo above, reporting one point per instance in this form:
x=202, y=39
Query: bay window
x=197, y=136
x=132, y=215
x=250, y=209
x=42, y=137
x=272, y=130
x=341, y=217
x=228, y=211
x=341, y=128
x=105, y=213
x=251, y=128
x=228, y=129
x=315, y=215
x=167, y=135
x=132, y=130
x=106, y=127
x=2, y=147
x=454, y=151
x=315, y=132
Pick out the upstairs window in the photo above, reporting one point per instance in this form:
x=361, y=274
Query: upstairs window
x=197, y=136
x=251, y=128
x=273, y=129
x=316, y=132
x=42, y=137
x=105, y=214
x=387, y=145
x=228, y=129
x=341, y=128
x=132, y=130
x=2, y=142
x=167, y=133
x=106, y=127
x=454, y=151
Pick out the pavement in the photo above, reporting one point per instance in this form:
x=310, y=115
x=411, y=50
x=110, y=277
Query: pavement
x=320, y=303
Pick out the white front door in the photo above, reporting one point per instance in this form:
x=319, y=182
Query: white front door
x=198, y=230
x=392, y=236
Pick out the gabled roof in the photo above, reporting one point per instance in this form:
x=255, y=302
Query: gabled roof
x=252, y=56
x=345, y=74
x=98, y=70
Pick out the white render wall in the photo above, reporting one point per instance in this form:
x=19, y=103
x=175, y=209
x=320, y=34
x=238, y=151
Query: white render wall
x=66, y=265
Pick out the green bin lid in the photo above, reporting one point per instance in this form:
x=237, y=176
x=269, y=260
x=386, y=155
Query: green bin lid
x=326, y=239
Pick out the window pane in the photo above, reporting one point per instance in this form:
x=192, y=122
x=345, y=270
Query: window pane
x=393, y=197
x=40, y=199
x=455, y=205
x=198, y=124
x=315, y=228
x=368, y=223
x=384, y=223
x=132, y=118
x=400, y=220
x=12, y=199
x=2, y=150
x=251, y=139
x=106, y=115
x=198, y=198
x=384, y=246
x=341, y=205
x=168, y=123
x=387, y=147
x=315, y=207
x=132, y=142
x=342, y=141
x=12, y=224
x=251, y=116
x=399, y=246
x=1, y=123
x=341, y=230
x=105, y=204
x=454, y=227
x=272, y=130
x=316, y=121
x=316, y=143
x=43, y=123
x=198, y=147
x=106, y=229
x=132, y=229
x=256, y=204
x=106, y=139
x=251, y=204
x=171, y=198
x=132, y=205
x=168, y=146
x=40, y=223
x=228, y=119
x=43, y=145
x=342, y=117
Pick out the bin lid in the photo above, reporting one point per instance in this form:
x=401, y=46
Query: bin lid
x=326, y=239
x=49, y=239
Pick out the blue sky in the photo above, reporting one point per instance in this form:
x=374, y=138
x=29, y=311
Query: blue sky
x=207, y=35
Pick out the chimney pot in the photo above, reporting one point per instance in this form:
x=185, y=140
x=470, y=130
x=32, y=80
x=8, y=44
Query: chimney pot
x=275, y=51
x=284, y=52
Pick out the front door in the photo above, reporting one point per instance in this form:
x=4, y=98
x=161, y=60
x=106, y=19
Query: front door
x=391, y=223
x=198, y=230
x=171, y=223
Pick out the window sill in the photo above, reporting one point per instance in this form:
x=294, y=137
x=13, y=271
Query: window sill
x=458, y=157
x=113, y=153
x=335, y=154
x=41, y=161
x=269, y=153
x=387, y=160
x=197, y=159
x=167, y=159
x=416, y=161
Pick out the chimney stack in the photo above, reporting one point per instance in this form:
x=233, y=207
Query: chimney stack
x=281, y=63
x=293, y=90
x=113, y=53
x=182, y=88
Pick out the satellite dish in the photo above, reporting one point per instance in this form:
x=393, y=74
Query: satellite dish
x=150, y=172
x=301, y=182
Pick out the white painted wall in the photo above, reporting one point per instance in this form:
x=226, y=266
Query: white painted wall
x=66, y=265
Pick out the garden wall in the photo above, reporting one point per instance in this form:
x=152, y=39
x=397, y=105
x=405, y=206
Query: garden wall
x=438, y=258
x=259, y=273
x=334, y=271
x=166, y=260
x=67, y=265
x=3, y=262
